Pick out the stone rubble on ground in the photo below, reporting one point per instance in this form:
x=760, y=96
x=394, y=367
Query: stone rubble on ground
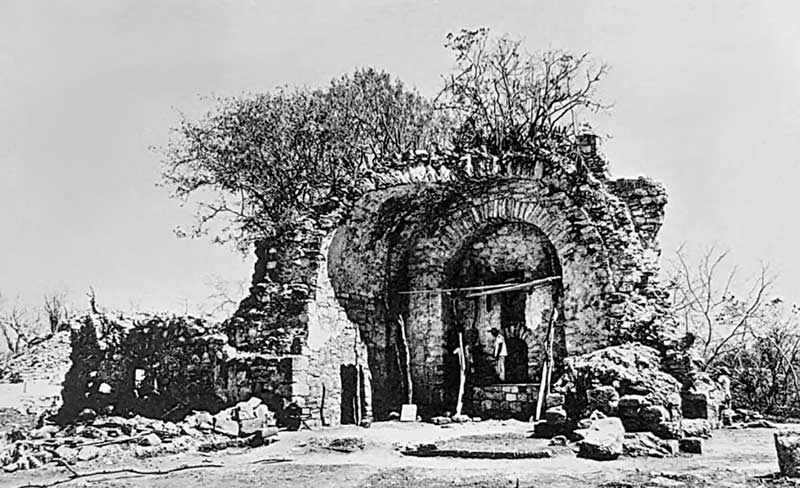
x=603, y=440
x=249, y=423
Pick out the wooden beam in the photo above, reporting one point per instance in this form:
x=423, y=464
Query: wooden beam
x=468, y=288
x=514, y=287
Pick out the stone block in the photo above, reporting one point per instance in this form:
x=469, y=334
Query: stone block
x=554, y=400
x=653, y=415
x=603, y=440
x=88, y=453
x=604, y=399
x=691, y=445
x=299, y=389
x=545, y=430
x=696, y=428
x=226, y=425
x=633, y=402
x=250, y=426
x=556, y=415
x=787, y=444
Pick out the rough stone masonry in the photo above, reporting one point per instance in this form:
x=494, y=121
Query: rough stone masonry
x=338, y=287
x=341, y=302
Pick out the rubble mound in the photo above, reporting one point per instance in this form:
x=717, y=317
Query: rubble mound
x=623, y=381
x=46, y=360
x=246, y=424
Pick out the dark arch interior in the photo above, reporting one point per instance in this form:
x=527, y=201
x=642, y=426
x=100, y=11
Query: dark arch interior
x=501, y=253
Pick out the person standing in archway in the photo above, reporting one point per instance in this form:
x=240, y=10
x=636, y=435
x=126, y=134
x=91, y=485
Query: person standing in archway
x=500, y=353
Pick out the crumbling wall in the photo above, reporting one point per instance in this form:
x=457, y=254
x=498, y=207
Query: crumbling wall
x=410, y=227
x=164, y=367
x=646, y=200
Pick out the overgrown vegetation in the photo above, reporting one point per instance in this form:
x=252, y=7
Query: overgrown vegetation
x=747, y=335
x=255, y=164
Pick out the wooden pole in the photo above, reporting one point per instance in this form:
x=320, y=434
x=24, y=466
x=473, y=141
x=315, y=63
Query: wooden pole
x=407, y=354
x=544, y=386
x=462, y=363
x=357, y=399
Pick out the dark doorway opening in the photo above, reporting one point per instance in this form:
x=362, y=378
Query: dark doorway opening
x=512, y=318
x=353, y=405
x=516, y=361
x=349, y=378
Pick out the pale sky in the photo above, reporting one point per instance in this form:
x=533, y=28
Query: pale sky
x=706, y=94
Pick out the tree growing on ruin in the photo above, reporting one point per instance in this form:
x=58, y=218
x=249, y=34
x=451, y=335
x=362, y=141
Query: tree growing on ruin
x=256, y=162
x=506, y=99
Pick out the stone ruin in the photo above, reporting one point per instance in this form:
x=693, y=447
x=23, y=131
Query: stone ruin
x=342, y=302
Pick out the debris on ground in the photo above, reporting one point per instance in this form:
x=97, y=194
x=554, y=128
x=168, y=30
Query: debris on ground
x=603, y=440
x=246, y=424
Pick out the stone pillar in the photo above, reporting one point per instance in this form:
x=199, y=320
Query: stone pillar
x=426, y=343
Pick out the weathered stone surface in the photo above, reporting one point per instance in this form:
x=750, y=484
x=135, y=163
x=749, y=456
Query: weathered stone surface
x=646, y=444
x=668, y=430
x=632, y=371
x=787, y=445
x=664, y=482
x=556, y=415
x=492, y=401
x=691, y=445
x=545, y=430
x=696, y=428
x=554, y=400
x=88, y=453
x=702, y=399
x=603, y=440
x=316, y=330
x=66, y=453
x=150, y=440
x=603, y=398
x=224, y=424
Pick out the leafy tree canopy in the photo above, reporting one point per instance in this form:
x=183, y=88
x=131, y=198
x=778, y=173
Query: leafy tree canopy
x=256, y=163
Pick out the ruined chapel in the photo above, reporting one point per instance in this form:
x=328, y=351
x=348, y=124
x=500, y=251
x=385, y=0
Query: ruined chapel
x=436, y=255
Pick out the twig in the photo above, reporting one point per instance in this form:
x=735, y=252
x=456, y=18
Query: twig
x=69, y=467
x=271, y=461
x=124, y=470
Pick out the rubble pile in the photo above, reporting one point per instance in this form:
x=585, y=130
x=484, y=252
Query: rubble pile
x=618, y=401
x=623, y=381
x=246, y=424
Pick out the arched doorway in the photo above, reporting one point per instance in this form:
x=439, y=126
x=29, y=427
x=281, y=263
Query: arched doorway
x=505, y=277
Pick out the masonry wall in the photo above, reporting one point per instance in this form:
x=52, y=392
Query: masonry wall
x=504, y=401
x=406, y=232
x=164, y=367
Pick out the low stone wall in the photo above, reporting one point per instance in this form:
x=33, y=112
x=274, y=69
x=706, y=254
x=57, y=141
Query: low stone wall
x=164, y=367
x=505, y=401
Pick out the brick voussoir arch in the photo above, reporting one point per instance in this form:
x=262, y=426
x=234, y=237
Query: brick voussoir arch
x=469, y=217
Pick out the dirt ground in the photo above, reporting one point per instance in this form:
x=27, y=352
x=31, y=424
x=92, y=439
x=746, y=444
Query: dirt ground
x=301, y=459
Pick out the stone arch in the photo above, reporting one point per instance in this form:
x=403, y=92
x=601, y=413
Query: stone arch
x=402, y=238
x=585, y=271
